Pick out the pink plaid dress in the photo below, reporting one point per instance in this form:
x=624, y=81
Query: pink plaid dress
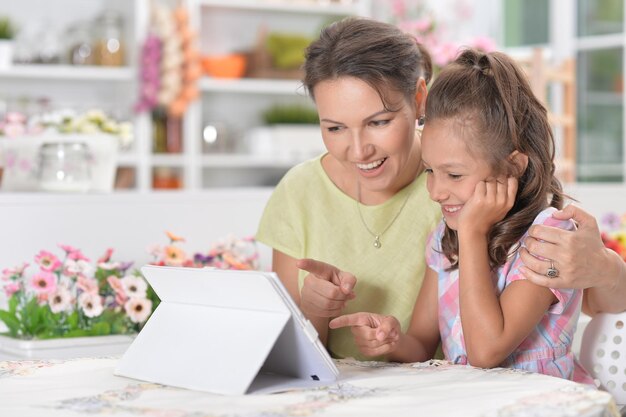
x=546, y=350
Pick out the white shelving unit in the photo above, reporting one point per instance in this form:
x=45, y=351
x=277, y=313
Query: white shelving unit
x=223, y=26
x=226, y=26
x=112, y=89
x=68, y=73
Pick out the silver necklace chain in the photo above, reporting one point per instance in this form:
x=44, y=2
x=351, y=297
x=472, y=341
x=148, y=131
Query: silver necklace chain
x=377, y=236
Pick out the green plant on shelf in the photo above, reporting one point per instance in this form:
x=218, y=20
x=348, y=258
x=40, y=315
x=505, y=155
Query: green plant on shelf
x=287, y=50
x=284, y=114
x=7, y=31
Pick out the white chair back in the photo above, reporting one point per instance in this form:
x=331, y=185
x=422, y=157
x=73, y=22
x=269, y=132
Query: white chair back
x=603, y=353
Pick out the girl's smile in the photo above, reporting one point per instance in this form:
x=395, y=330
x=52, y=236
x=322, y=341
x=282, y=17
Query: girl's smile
x=453, y=171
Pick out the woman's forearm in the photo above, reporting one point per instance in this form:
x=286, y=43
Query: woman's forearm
x=610, y=297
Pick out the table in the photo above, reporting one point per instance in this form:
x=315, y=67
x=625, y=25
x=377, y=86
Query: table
x=77, y=387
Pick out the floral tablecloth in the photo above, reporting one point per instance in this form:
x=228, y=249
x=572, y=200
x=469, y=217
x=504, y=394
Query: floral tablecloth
x=81, y=387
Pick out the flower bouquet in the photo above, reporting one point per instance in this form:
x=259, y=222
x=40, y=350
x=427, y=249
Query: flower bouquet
x=16, y=124
x=415, y=18
x=227, y=253
x=72, y=297
x=614, y=233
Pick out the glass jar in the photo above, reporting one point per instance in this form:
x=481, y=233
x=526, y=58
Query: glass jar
x=79, y=44
x=109, y=41
x=64, y=167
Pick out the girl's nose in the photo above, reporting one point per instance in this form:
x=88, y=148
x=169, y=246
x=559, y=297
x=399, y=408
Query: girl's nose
x=436, y=190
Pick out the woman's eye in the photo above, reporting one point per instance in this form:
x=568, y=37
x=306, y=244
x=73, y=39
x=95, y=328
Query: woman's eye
x=379, y=122
x=334, y=129
x=455, y=176
x=428, y=171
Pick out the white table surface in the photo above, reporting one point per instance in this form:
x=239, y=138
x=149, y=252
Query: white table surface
x=78, y=387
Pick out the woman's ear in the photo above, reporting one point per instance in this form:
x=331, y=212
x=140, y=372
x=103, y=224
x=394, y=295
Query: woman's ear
x=420, y=98
x=520, y=161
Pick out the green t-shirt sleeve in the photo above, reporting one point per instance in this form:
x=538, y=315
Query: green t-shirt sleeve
x=278, y=224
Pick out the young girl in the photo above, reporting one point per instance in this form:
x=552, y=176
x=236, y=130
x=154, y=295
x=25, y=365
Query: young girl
x=488, y=151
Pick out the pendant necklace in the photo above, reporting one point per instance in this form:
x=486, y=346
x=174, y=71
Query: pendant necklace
x=377, y=236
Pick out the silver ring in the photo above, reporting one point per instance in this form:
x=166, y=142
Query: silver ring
x=552, y=271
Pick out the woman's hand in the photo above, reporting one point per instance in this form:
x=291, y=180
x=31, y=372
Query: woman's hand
x=374, y=334
x=326, y=289
x=491, y=201
x=579, y=255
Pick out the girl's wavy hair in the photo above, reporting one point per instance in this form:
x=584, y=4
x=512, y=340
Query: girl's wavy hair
x=377, y=53
x=490, y=95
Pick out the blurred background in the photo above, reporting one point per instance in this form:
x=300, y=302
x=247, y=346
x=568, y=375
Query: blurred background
x=140, y=96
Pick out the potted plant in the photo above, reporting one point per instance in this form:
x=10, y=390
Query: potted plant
x=7, y=31
x=59, y=302
x=292, y=133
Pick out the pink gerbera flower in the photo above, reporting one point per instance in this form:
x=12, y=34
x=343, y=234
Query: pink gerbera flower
x=138, y=309
x=88, y=285
x=60, y=300
x=11, y=288
x=106, y=257
x=43, y=282
x=174, y=256
x=73, y=253
x=91, y=304
x=47, y=261
x=134, y=287
x=118, y=288
x=16, y=272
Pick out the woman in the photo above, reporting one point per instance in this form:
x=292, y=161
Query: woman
x=363, y=206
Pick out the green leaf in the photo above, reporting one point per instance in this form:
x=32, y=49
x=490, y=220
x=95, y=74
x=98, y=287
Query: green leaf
x=13, y=303
x=77, y=333
x=11, y=321
x=72, y=320
x=100, y=329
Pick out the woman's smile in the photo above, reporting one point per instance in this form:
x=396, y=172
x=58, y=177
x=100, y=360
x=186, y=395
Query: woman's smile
x=371, y=168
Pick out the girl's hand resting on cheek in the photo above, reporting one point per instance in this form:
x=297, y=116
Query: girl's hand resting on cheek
x=374, y=334
x=491, y=201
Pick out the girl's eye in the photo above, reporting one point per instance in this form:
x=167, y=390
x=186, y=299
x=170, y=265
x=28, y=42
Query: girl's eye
x=377, y=123
x=428, y=171
x=455, y=176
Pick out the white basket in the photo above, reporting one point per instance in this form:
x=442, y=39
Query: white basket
x=19, y=158
x=603, y=353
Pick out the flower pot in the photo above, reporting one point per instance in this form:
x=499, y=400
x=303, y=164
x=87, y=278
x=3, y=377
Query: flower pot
x=286, y=141
x=6, y=53
x=66, y=348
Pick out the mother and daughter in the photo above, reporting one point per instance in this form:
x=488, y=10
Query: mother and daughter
x=372, y=206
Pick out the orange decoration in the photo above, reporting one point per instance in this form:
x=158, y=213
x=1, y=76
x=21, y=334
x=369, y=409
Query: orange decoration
x=226, y=66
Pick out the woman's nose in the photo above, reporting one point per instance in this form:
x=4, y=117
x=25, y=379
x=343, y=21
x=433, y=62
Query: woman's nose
x=362, y=149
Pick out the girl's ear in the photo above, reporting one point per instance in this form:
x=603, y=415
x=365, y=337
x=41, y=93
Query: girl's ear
x=420, y=98
x=520, y=161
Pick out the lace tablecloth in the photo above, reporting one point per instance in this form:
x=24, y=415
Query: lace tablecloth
x=81, y=387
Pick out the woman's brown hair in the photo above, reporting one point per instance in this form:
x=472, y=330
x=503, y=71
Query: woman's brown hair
x=377, y=53
x=490, y=94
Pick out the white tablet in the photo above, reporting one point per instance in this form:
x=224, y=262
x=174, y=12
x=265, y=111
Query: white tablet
x=227, y=332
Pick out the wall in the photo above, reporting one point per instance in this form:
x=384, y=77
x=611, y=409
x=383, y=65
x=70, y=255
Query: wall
x=129, y=223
